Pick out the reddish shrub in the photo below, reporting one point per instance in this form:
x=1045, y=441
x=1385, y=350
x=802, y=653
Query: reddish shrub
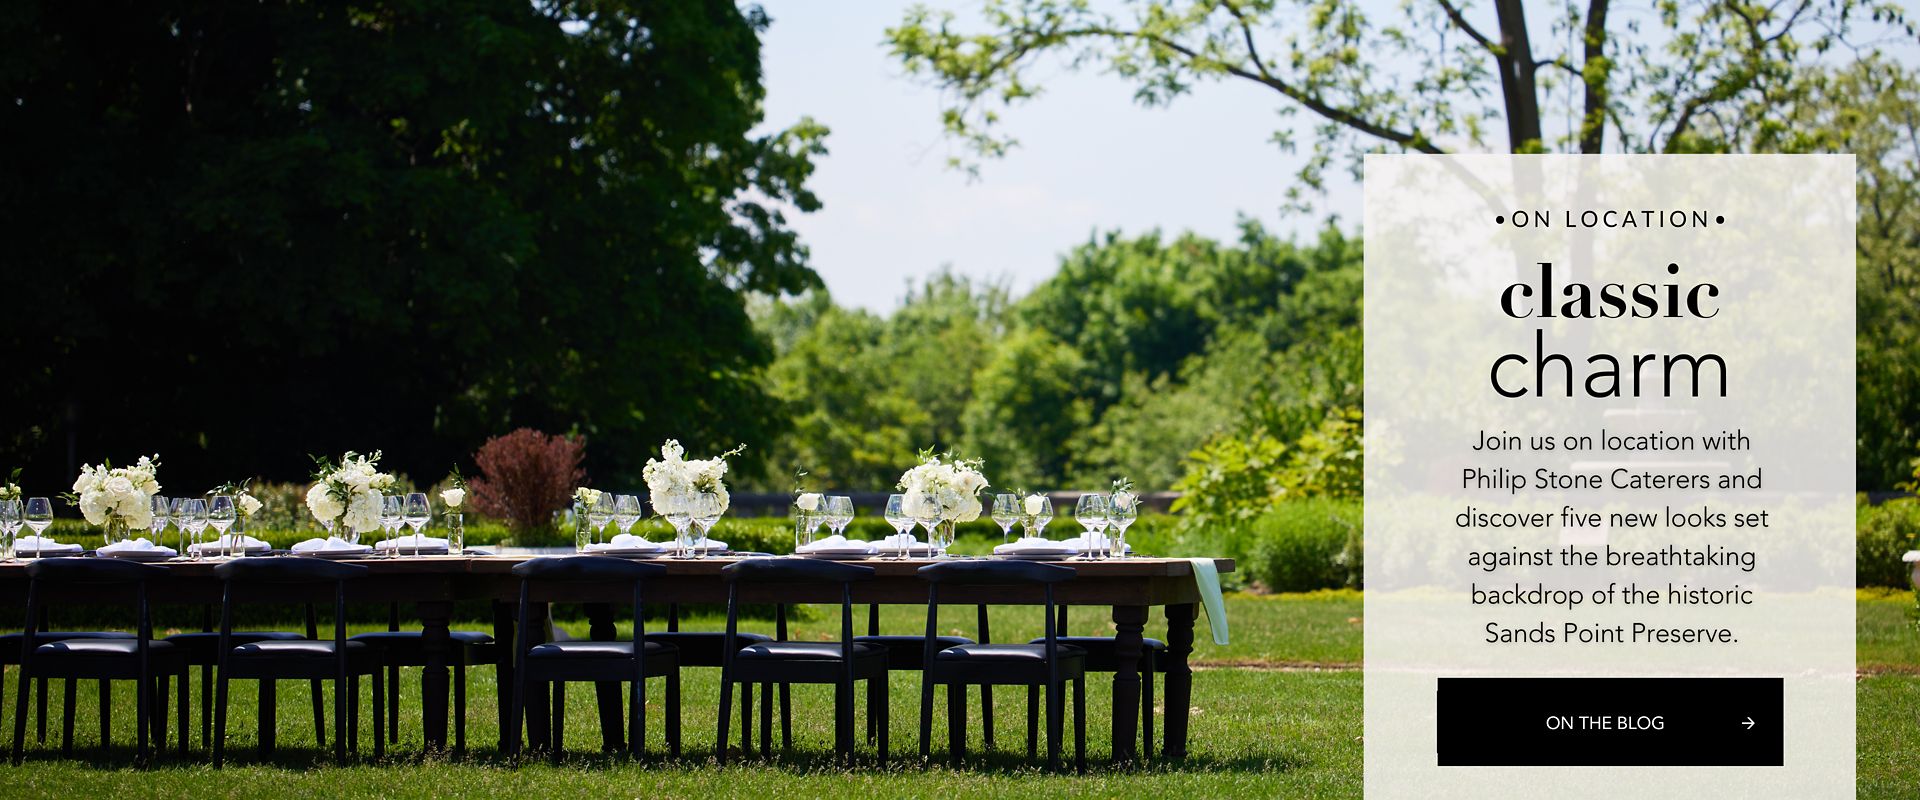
x=527, y=475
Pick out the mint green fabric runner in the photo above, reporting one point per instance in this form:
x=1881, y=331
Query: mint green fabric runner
x=1207, y=578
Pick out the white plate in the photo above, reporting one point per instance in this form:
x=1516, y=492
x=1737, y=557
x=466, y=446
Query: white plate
x=839, y=555
x=916, y=550
x=633, y=553
x=337, y=555
x=51, y=552
x=415, y=551
x=137, y=555
x=1038, y=556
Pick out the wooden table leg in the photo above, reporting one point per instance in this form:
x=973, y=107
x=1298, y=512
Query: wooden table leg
x=1129, y=622
x=606, y=693
x=1179, y=678
x=434, y=679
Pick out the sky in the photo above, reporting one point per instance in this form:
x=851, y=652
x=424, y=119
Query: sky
x=1089, y=161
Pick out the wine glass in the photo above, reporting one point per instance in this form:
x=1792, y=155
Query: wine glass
x=38, y=516
x=1036, y=522
x=1006, y=511
x=391, y=518
x=1121, y=511
x=839, y=513
x=177, y=512
x=626, y=512
x=927, y=514
x=706, y=511
x=416, y=512
x=896, y=515
x=161, y=508
x=599, y=514
x=681, y=520
x=197, y=518
x=221, y=514
x=1091, y=512
x=10, y=523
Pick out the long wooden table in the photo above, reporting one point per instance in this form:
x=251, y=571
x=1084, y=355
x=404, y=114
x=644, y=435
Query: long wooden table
x=433, y=584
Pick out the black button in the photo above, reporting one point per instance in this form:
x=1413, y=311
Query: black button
x=1610, y=722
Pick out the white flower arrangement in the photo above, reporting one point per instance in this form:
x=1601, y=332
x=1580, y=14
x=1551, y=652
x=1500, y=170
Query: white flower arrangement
x=244, y=503
x=457, y=491
x=807, y=501
x=106, y=493
x=11, y=489
x=1033, y=504
x=943, y=487
x=675, y=482
x=1123, y=496
x=586, y=497
x=349, y=493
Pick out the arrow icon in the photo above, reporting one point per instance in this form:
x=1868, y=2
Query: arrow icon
x=1749, y=723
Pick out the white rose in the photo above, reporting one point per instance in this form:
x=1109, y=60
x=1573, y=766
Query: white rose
x=119, y=486
x=453, y=497
x=140, y=516
x=969, y=509
x=1123, y=500
x=323, y=504
x=1033, y=504
x=129, y=504
x=808, y=501
x=248, y=505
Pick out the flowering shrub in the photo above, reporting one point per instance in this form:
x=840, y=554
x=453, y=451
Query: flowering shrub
x=527, y=475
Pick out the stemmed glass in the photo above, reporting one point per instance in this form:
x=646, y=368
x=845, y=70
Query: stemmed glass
x=1036, y=523
x=391, y=519
x=1118, y=518
x=928, y=515
x=177, y=511
x=706, y=510
x=197, y=518
x=896, y=515
x=599, y=514
x=839, y=513
x=1006, y=511
x=416, y=513
x=681, y=519
x=1091, y=512
x=626, y=512
x=221, y=514
x=39, y=516
x=805, y=523
x=159, y=524
x=10, y=523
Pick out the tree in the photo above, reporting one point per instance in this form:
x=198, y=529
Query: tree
x=1432, y=78
x=241, y=233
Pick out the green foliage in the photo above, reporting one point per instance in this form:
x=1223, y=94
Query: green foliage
x=1308, y=544
x=1883, y=533
x=1231, y=480
x=399, y=222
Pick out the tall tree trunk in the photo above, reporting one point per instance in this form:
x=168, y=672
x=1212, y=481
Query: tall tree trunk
x=1518, y=87
x=1595, y=71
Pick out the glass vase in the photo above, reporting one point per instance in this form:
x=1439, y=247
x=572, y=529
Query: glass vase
x=942, y=537
x=456, y=533
x=115, y=530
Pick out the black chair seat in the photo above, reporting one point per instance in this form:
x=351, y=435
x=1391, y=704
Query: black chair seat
x=582, y=648
x=704, y=648
x=99, y=648
x=1006, y=653
x=300, y=648
x=10, y=643
x=1103, y=653
x=910, y=652
x=803, y=651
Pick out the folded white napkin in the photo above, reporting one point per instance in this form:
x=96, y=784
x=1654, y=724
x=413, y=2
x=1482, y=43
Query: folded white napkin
x=1033, y=544
x=43, y=544
x=901, y=541
x=414, y=541
x=838, y=544
x=329, y=544
x=716, y=545
x=140, y=545
x=238, y=541
x=627, y=542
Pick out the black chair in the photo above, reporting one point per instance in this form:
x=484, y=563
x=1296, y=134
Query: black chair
x=295, y=581
x=10, y=655
x=596, y=661
x=907, y=653
x=1048, y=663
x=840, y=663
x=1103, y=655
x=202, y=649
x=407, y=649
x=710, y=648
x=149, y=664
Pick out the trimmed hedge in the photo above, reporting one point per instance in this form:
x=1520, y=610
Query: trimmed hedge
x=1882, y=534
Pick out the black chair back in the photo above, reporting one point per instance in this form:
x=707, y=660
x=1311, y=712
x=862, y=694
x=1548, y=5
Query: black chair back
x=793, y=571
x=994, y=573
x=92, y=581
x=575, y=569
x=290, y=580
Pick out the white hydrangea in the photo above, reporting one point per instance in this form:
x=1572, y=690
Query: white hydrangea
x=948, y=490
x=105, y=494
x=675, y=483
x=349, y=493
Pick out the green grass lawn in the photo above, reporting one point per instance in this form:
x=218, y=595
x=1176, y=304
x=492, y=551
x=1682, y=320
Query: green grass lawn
x=1275, y=714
